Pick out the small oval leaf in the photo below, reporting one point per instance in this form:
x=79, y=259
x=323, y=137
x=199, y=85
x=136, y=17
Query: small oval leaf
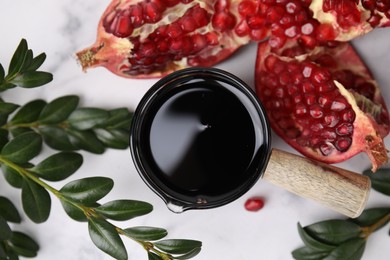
x=87, y=190
x=59, y=166
x=352, y=249
x=5, y=230
x=29, y=112
x=124, y=209
x=380, y=180
x=32, y=79
x=86, y=140
x=194, y=252
x=56, y=138
x=8, y=210
x=178, y=246
x=308, y=253
x=58, y=110
x=311, y=242
x=106, y=238
x=146, y=233
x=113, y=138
x=333, y=231
x=87, y=118
x=23, y=245
x=12, y=176
x=22, y=148
x=37, y=61
x=18, y=57
x=36, y=201
x=73, y=211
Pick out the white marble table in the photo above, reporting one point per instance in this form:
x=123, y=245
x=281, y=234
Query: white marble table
x=60, y=28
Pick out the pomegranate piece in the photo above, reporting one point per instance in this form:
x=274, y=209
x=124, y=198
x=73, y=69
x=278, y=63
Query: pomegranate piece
x=254, y=204
x=323, y=102
x=151, y=38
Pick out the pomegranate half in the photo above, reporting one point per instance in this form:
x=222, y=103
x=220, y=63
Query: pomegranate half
x=323, y=102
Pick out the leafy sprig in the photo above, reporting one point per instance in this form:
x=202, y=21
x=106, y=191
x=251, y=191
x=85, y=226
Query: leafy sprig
x=337, y=239
x=65, y=127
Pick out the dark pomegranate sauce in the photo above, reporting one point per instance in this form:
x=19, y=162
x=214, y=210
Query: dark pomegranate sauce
x=202, y=142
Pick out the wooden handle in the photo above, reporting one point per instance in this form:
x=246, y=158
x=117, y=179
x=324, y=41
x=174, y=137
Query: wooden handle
x=343, y=191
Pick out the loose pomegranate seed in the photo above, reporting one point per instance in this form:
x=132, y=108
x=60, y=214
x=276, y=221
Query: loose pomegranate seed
x=254, y=204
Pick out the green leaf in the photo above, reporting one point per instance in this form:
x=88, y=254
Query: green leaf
x=22, y=148
x=58, y=110
x=146, y=233
x=32, y=79
x=113, y=138
x=311, y=242
x=106, y=238
x=153, y=256
x=27, y=60
x=20, y=130
x=87, y=190
x=12, y=176
x=59, y=166
x=23, y=245
x=308, y=253
x=3, y=255
x=371, y=216
x=178, y=246
x=18, y=58
x=37, y=61
x=380, y=180
x=57, y=138
x=333, y=231
x=350, y=250
x=5, y=230
x=87, y=118
x=8, y=211
x=194, y=252
x=124, y=209
x=118, y=118
x=7, y=108
x=86, y=140
x=3, y=138
x=29, y=112
x=36, y=201
x=73, y=211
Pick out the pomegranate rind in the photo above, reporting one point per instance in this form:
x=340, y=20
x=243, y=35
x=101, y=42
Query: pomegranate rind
x=369, y=128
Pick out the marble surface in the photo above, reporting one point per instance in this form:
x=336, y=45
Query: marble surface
x=60, y=28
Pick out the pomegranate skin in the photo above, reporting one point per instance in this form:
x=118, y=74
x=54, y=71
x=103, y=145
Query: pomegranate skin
x=150, y=39
x=323, y=102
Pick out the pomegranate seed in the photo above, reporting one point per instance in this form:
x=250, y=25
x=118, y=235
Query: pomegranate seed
x=344, y=129
x=151, y=11
x=342, y=144
x=254, y=204
x=310, y=99
x=123, y=27
x=307, y=70
x=331, y=119
x=247, y=8
x=223, y=21
x=291, y=32
x=316, y=111
x=307, y=28
x=188, y=24
x=348, y=116
x=326, y=149
x=300, y=109
x=339, y=104
x=328, y=135
x=174, y=30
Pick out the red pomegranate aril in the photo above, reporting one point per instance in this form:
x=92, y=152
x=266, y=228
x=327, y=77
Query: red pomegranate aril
x=254, y=204
x=343, y=144
x=316, y=111
x=247, y=8
x=339, y=104
x=326, y=149
x=331, y=119
x=344, y=129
